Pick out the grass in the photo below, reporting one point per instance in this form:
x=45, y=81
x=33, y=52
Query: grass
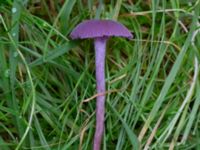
x=47, y=81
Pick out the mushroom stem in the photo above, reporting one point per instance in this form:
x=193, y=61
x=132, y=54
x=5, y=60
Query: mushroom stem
x=100, y=51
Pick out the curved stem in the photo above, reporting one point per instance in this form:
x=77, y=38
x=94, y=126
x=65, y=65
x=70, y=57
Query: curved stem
x=100, y=50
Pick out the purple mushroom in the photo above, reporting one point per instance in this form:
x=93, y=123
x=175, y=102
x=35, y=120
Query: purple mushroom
x=100, y=31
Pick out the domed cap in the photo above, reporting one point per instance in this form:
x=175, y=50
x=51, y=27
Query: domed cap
x=99, y=28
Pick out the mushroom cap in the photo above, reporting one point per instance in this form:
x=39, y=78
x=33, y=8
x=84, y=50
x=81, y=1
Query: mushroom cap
x=99, y=28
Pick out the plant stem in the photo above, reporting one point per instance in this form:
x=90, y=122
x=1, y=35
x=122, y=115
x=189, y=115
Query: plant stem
x=100, y=50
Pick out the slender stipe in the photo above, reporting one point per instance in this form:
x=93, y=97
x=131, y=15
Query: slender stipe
x=100, y=50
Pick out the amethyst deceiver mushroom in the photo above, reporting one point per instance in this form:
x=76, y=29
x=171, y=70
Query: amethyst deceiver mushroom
x=100, y=31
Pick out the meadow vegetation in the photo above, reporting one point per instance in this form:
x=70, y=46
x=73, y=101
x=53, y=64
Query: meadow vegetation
x=47, y=80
